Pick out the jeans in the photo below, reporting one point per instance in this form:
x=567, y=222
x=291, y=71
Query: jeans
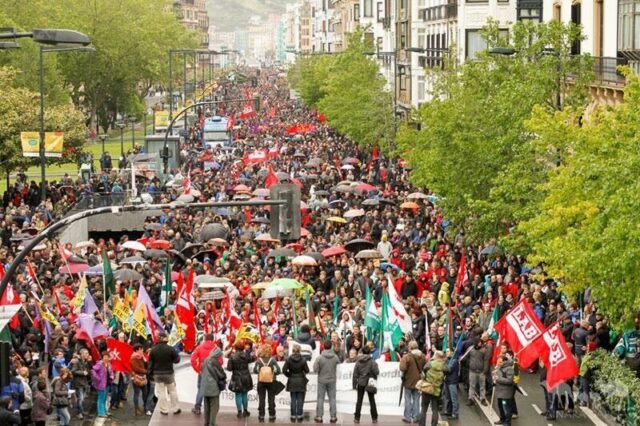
x=140, y=393
x=452, y=396
x=242, y=401
x=63, y=415
x=211, y=408
x=102, y=402
x=149, y=403
x=584, y=389
x=411, y=404
x=81, y=395
x=427, y=400
x=199, y=395
x=372, y=403
x=330, y=390
x=549, y=402
x=506, y=411
x=477, y=379
x=297, y=403
x=165, y=384
x=266, y=390
x=118, y=391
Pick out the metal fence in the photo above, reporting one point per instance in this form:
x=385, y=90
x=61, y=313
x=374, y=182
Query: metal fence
x=606, y=70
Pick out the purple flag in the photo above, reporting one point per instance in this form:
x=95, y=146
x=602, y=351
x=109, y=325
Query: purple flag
x=143, y=297
x=93, y=327
x=89, y=306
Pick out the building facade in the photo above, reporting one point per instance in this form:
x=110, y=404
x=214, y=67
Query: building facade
x=193, y=15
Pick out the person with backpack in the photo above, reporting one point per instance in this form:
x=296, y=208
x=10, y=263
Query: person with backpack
x=435, y=371
x=411, y=365
x=199, y=355
x=213, y=382
x=139, y=380
x=365, y=371
x=267, y=369
x=61, y=395
x=296, y=369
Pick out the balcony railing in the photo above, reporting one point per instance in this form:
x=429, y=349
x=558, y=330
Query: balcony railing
x=606, y=70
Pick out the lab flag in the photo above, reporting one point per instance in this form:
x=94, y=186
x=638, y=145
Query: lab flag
x=520, y=327
x=139, y=317
x=120, y=353
x=122, y=312
x=557, y=357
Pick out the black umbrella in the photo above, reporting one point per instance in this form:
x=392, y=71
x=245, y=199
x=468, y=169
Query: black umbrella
x=282, y=252
x=76, y=259
x=260, y=220
x=190, y=249
x=155, y=254
x=359, y=244
x=386, y=201
x=321, y=192
x=213, y=230
x=127, y=275
x=371, y=202
x=177, y=255
x=211, y=254
x=318, y=257
x=132, y=260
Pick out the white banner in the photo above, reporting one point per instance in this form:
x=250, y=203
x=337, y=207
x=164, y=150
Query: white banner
x=389, y=383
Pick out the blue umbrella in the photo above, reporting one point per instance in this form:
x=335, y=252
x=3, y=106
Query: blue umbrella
x=94, y=270
x=223, y=211
x=386, y=265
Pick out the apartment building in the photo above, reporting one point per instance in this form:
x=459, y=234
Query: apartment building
x=322, y=37
x=193, y=15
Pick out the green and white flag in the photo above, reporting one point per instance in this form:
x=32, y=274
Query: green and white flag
x=166, y=286
x=372, y=318
x=491, y=329
x=390, y=324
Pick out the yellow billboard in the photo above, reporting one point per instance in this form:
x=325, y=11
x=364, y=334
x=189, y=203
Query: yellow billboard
x=53, y=144
x=161, y=119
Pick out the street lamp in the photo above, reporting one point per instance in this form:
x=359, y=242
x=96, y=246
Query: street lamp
x=48, y=36
x=103, y=139
x=132, y=120
x=121, y=125
x=43, y=50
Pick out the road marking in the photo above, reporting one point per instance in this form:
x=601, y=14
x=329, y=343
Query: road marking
x=538, y=410
x=549, y=424
x=592, y=416
x=523, y=391
x=488, y=411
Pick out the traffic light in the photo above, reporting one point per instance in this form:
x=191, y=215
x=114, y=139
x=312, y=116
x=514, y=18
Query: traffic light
x=285, y=219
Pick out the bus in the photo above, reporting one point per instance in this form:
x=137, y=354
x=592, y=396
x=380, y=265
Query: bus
x=216, y=133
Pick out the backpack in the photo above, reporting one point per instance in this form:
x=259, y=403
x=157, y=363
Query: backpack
x=265, y=374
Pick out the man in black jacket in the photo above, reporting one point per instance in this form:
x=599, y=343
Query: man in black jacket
x=7, y=417
x=161, y=360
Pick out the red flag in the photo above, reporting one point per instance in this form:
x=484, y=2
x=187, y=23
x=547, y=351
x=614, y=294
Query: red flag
x=256, y=157
x=247, y=112
x=296, y=182
x=9, y=297
x=462, y=278
x=256, y=319
x=520, y=327
x=179, y=283
x=152, y=326
x=231, y=122
x=272, y=113
x=557, y=357
x=189, y=287
x=247, y=214
x=186, y=183
x=322, y=118
x=184, y=312
x=276, y=308
x=83, y=336
x=271, y=179
x=64, y=253
x=120, y=353
x=58, y=304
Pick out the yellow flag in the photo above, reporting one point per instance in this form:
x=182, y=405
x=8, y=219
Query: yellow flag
x=246, y=331
x=121, y=311
x=139, y=317
x=78, y=300
x=44, y=313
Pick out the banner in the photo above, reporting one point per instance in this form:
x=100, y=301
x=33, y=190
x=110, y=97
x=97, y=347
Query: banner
x=389, y=383
x=53, y=144
x=161, y=119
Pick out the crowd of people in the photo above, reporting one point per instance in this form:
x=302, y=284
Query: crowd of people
x=354, y=199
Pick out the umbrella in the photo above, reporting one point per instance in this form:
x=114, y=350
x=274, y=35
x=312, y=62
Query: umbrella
x=153, y=226
x=273, y=292
x=210, y=279
x=267, y=238
x=359, y=244
x=321, y=193
x=260, y=286
x=365, y=187
x=386, y=265
x=185, y=198
x=371, y=202
x=260, y=220
x=85, y=244
x=155, y=254
x=369, y=254
x=317, y=256
x=20, y=237
x=213, y=295
x=311, y=176
x=241, y=188
x=94, y=270
x=242, y=196
x=349, y=214
x=30, y=231
x=304, y=261
x=242, y=179
x=343, y=188
x=297, y=247
x=133, y=260
x=223, y=211
x=213, y=230
x=282, y=252
x=386, y=201
x=347, y=167
x=76, y=259
x=190, y=249
x=218, y=242
x=350, y=160
x=285, y=283
x=127, y=275
x=304, y=232
x=417, y=196
x=203, y=253
x=334, y=202
x=261, y=192
x=40, y=246
x=345, y=182
x=333, y=251
x=177, y=254
x=133, y=245
x=336, y=219
x=73, y=268
x=409, y=205
x=282, y=175
x=161, y=244
x=489, y=250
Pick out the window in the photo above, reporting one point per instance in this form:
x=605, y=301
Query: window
x=356, y=12
x=557, y=12
x=380, y=11
x=576, y=18
x=379, y=44
x=476, y=44
x=368, y=8
x=422, y=89
x=421, y=37
x=402, y=78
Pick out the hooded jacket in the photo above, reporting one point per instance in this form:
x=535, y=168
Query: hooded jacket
x=326, y=365
x=411, y=365
x=212, y=373
x=200, y=354
x=295, y=369
x=364, y=369
x=505, y=388
x=240, y=376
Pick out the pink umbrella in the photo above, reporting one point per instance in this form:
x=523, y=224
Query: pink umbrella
x=333, y=251
x=261, y=192
x=304, y=232
x=73, y=268
x=349, y=214
x=365, y=187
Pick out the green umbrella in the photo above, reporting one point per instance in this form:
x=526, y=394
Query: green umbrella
x=285, y=283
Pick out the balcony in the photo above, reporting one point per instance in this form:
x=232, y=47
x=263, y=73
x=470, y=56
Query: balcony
x=439, y=13
x=606, y=71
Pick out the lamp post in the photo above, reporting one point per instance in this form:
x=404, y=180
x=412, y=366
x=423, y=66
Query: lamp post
x=103, y=139
x=132, y=120
x=121, y=125
x=42, y=153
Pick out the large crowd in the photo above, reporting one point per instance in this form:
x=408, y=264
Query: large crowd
x=348, y=193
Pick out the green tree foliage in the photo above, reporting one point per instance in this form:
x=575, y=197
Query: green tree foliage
x=348, y=88
x=20, y=109
x=585, y=229
x=132, y=39
x=474, y=147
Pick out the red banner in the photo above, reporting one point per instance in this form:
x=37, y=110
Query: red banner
x=520, y=327
x=120, y=353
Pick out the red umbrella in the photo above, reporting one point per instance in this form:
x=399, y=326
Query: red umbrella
x=73, y=268
x=161, y=244
x=242, y=188
x=333, y=251
x=304, y=232
x=365, y=187
x=294, y=246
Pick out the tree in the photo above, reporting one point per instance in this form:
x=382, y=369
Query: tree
x=585, y=230
x=473, y=147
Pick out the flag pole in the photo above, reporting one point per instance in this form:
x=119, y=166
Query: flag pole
x=104, y=289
